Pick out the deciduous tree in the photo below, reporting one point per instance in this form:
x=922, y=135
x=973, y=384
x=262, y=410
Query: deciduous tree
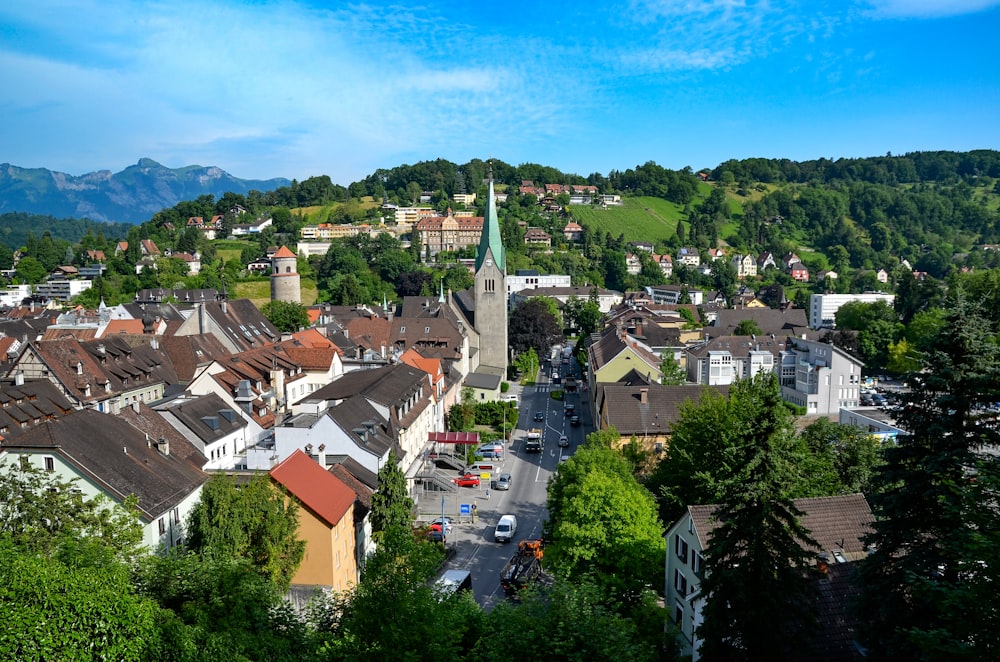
x=256, y=522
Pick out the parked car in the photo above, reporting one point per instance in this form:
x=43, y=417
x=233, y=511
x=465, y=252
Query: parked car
x=574, y=420
x=448, y=524
x=880, y=400
x=468, y=480
x=867, y=400
x=564, y=441
x=503, y=482
x=437, y=536
x=539, y=415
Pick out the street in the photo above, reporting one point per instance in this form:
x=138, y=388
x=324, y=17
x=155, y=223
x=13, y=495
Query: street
x=473, y=543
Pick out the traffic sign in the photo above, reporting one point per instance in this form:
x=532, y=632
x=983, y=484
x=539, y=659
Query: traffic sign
x=465, y=509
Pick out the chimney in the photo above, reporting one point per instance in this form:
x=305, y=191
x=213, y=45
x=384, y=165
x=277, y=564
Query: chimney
x=823, y=563
x=19, y=378
x=644, y=396
x=135, y=406
x=163, y=446
x=322, y=455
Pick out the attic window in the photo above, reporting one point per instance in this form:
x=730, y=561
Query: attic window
x=402, y=329
x=427, y=329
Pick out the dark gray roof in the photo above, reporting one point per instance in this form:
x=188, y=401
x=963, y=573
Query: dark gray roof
x=791, y=322
x=483, y=380
x=622, y=406
x=368, y=478
x=116, y=456
x=367, y=428
x=740, y=346
x=207, y=417
x=29, y=404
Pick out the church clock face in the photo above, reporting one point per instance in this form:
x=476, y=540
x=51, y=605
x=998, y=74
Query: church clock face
x=489, y=262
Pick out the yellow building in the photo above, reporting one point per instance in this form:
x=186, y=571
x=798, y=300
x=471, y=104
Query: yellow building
x=326, y=522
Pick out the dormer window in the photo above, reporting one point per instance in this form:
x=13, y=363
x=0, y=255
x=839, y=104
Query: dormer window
x=79, y=368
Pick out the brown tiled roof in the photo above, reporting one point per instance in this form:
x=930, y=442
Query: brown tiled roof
x=149, y=422
x=188, y=353
x=836, y=523
x=312, y=358
x=622, y=406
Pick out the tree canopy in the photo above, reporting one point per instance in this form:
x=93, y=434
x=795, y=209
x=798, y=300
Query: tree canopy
x=255, y=522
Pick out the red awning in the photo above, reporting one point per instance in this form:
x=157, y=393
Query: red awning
x=454, y=437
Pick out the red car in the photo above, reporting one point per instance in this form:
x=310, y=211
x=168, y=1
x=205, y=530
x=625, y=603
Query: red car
x=468, y=480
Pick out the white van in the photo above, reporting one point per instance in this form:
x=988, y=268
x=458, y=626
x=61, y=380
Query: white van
x=506, y=528
x=482, y=467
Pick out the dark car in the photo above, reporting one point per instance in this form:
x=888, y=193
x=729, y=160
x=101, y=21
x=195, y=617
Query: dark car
x=437, y=536
x=468, y=480
x=570, y=409
x=539, y=415
x=574, y=420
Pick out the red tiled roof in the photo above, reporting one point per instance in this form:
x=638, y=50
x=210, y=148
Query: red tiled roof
x=284, y=252
x=133, y=327
x=316, y=488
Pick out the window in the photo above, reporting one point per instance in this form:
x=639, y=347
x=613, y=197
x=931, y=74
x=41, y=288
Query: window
x=681, y=548
x=25, y=462
x=680, y=582
x=50, y=463
x=162, y=525
x=177, y=515
x=698, y=564
x=678, y=611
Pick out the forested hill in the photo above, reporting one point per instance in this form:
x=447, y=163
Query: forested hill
x=16, y=226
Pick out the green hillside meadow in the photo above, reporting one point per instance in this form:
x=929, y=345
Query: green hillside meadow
x=641, y=219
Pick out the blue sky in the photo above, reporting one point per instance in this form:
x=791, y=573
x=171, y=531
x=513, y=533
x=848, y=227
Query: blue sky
x=295, y=89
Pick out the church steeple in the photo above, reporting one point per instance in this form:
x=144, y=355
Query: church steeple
x=491, y=241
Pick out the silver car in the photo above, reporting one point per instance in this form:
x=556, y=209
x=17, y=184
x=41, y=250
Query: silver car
x=503, y=481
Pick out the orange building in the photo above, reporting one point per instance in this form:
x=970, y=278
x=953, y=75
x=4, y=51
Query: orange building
x=326, y=522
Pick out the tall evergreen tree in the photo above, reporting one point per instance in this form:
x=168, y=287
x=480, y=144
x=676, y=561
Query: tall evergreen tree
x=935, y=543
x=391, y=503
x=758, y=595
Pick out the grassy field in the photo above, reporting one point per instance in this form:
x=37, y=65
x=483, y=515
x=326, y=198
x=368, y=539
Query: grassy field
x=640, y=219
x=260, y=292
x=322, y=213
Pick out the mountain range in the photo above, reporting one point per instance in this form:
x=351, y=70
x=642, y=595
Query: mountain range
x=130, y=196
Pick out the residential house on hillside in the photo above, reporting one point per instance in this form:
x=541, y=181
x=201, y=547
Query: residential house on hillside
x=838, y=524
x=666, y=264
x=326, y=524
x=633, y=263
x=716, y=254
x=799, y=272
x=745, y=265
x=688, y=256
x=766, y=261
x=109, y=457
x=537, y=237
x=675, y=294
x=573, y=231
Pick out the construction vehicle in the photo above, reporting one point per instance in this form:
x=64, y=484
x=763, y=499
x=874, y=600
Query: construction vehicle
x=533, y=442
x=524, y=567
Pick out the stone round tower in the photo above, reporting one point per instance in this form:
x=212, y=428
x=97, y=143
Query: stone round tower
x=284, y=277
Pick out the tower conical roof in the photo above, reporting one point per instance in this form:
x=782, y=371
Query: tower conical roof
x=491, y=239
